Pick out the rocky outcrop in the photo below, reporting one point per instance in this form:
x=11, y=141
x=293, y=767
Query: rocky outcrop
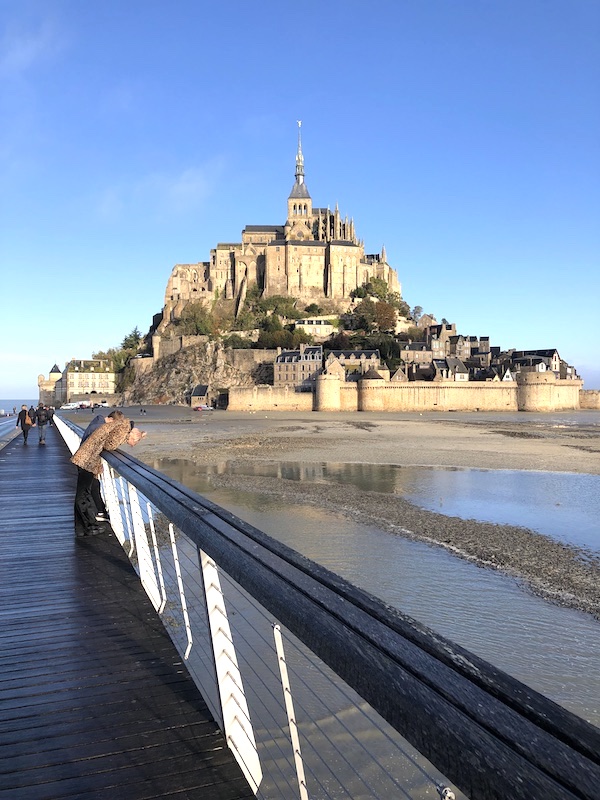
x=172, y=378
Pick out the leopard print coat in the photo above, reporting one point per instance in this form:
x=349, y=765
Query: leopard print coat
x=107, y=437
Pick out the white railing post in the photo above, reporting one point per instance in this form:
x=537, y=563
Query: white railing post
x=156, y=548
x=234, y=708
x=186, y=618
x=289, y=707
x=111, y=499
x=145, y=562
x=126, y=509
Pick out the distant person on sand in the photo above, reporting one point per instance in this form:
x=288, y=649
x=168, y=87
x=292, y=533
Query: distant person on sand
x=25, y=421
x=108, y=435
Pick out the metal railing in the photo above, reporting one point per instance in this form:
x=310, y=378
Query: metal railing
x=318, y=686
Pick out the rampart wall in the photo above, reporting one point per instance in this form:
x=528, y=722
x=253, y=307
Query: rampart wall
x=268, y=398
x=589, y=399
x=167, y=347
x=427, y=396
x=532, y=392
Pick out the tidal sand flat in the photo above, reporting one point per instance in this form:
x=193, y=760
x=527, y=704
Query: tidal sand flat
x=569, y=442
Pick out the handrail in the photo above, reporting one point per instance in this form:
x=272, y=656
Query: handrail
x=492, y=736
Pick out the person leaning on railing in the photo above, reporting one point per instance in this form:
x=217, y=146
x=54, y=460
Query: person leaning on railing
x=116, y=430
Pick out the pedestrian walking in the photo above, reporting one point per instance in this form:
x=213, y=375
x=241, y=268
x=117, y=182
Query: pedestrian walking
x=41, y=420
x=25, y=421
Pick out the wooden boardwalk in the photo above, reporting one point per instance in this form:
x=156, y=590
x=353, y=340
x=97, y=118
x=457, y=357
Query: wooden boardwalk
x=95, y=701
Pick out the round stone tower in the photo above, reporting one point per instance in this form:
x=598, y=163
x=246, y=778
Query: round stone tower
x=327, y=393
x=370, y=396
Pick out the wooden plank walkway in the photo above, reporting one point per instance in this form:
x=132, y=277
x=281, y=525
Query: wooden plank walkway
x=95, y=701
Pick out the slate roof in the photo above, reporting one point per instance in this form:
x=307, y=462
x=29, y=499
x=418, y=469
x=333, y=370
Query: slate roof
x=300, y=191
x=420, y=346
x=456, y=365
x=354, y=353
x=261, y=228
x=310, y=354
x=371, y=375
x=200, y=390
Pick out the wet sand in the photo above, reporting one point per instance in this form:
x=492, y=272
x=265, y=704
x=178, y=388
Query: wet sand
x=565, y=574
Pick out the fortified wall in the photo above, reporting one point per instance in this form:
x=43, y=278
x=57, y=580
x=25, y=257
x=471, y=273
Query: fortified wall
x=541, y=392
x=269, y=398
x=589, y=399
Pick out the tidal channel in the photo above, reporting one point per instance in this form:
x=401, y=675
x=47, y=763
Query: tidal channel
x=552, y=649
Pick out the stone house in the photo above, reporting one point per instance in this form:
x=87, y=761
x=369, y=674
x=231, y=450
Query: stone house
x=416, y=353
x=318, y=327
x=199, y=395
x=83, y=377
x=354, y=362
x=298, y=368
x=457, y=371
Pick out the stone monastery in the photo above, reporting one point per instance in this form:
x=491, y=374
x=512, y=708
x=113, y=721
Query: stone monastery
x=314, y=255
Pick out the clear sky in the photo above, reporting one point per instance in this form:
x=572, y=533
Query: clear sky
x=464, y=135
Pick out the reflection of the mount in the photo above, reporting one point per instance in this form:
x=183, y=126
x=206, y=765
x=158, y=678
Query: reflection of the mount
x=565, y=506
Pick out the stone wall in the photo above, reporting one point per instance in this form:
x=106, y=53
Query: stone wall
x=542, y=391
x=268, y=398
x=589, y=399
x=426, y=396
x=532, y=392
x=167, y=347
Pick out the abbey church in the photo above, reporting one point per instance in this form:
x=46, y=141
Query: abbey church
x=316, y=255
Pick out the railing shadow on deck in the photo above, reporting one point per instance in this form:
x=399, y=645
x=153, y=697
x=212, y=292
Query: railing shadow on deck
x=321, y=689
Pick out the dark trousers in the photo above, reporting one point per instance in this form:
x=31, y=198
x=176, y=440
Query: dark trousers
x=97, y=496
x=85, y=506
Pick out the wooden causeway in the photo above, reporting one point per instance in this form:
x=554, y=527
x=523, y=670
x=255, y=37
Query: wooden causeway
x=95, y=701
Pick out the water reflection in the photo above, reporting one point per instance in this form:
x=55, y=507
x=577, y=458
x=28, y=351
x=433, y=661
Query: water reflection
x=552, y=649
x=565, y=506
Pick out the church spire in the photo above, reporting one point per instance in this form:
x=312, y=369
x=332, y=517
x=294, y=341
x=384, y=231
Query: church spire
x=299, y=201
x=299, y=156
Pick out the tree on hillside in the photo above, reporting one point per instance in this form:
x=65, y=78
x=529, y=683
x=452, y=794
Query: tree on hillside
x=195, y=320
x=377, y=287
x=385, y=316
x=313, y=309
x=341, y=341
x=237, y=342
x=272, y=323
x=132, y=340
x=416, y=313
x=366, y=315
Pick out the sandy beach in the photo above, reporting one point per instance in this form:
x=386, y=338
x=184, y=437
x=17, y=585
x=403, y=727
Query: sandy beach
x=562, y=573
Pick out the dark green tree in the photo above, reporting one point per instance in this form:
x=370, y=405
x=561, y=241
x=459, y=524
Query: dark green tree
x=313, y=309
x=366, y=315
x=385, y=316
x=132, y=340
x=416, y=313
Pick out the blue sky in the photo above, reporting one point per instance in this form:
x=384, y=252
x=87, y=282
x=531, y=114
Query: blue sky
x=136, y=134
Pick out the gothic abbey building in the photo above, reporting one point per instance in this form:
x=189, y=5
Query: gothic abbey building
x=316, y=255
